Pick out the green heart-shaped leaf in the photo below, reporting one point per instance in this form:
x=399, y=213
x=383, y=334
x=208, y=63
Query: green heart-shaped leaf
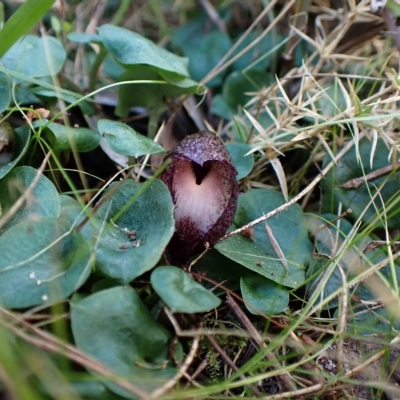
x=42, y=262
x=42, y=202
x=122, y=139
x=263, y=296
x=130, y=48
x=120, y=255
x=63, y=137
x=180, y=292
x=35, y=56
x=128, y=340
x=289, y=230
x=243, y=163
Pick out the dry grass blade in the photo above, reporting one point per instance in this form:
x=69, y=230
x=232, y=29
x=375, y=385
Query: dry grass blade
x=276, y=247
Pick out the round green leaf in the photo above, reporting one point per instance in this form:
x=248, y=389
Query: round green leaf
x=44, y=200
x=254, y=257
x=243, y=164
x=289, y=230
x=63, y=137
x=237, y=84
x=128, y=340
x=5, y=92
x=130, y=48
x=71, y=210
x=118, y=255
x=207, y=54
x=20, y=145
x=263, y=296
x=122, y=139
x=35, y=57
x=180, y=292
x=153, y=96
x=42, y=262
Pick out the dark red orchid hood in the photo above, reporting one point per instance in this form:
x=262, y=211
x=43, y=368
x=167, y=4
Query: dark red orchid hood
x=202, y=182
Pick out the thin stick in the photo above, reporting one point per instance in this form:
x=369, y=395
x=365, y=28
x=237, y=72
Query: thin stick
x=182, y=370
x=357, y=182
x=342, y=320
x=213, y=14
x=217, y=348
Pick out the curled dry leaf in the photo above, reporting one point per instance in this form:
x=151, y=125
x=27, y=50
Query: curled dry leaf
x=202, y=182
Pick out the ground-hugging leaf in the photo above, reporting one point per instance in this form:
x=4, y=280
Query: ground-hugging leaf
x=122, y=139
x=21, y=21
x=72, y=98
x=263, y=296
x=180, y=292
x=235, y=91
x=20, y=145
x=63, y=137
x=41, y=262
x=357, y=199
x=219, y=269
x=5, y=92
x=128, y=340
x=243, y=163
x=289, y=230
x=332, y=282
x=154, y=96
x=44, y=200
x=124, y=256
x=35, y=56
x=72, y=211
x=254, y=257
x=130, y=48
x=208, y=52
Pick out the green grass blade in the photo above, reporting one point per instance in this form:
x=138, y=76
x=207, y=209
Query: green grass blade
x=21, y=21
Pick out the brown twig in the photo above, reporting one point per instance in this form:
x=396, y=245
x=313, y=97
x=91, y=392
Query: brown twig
x=213, y=14
x=355, y=183
x=182, y=370
x=218, y=349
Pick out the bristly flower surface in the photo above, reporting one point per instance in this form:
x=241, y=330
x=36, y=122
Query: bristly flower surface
x=202, y=182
